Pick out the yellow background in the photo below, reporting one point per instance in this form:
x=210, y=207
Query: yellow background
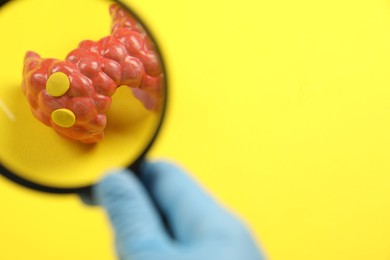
x=280, y=108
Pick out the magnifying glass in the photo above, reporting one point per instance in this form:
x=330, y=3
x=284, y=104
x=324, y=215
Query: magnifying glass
x=83, y=89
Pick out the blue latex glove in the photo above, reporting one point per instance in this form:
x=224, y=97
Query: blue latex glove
x=196, y=228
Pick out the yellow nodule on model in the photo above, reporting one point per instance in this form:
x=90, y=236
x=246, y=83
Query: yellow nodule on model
x=63, y=117
x=57, y=84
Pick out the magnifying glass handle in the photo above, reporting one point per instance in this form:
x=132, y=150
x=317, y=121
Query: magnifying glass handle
x=86, y=195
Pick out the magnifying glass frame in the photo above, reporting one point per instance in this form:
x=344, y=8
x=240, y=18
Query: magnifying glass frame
x=134, y=166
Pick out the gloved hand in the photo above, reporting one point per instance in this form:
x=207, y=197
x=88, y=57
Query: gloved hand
x=196, y=226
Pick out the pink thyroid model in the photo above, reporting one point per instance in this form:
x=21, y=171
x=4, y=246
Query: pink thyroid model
x=73, y=95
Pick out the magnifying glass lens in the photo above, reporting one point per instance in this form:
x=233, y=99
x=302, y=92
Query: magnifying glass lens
x=83, y=90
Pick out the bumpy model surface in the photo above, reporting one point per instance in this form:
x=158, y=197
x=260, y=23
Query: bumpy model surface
x=73, y=95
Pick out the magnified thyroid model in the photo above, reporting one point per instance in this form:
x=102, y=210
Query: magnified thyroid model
x=73, y=95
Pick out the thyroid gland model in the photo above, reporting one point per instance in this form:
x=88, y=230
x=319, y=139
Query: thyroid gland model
x=73, y=95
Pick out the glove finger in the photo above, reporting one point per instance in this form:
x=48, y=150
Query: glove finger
x=191, y=212
x=133, y=216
